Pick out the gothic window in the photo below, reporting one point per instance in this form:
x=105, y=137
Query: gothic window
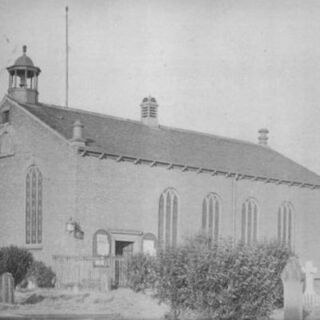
x=249, y=221
x=168, y=219
x=33, y=206
x=101, y=243
x=211, y=208
x=285, y=223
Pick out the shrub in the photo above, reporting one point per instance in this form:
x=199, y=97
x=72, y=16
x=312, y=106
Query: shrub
x=173, y=273
x=42, y=274
x=229, y=281
x=141, y=272
x=16, y=261
x=238, y=281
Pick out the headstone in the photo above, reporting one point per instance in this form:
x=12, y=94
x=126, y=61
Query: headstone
x=292, y=278
x=310, y=271
x=32, y=283
x=6, y=288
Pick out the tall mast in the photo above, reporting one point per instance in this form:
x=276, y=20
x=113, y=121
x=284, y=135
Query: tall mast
x=67, y=59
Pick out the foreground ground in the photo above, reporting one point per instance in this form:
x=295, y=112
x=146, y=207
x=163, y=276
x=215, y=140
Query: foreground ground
x=117, y=304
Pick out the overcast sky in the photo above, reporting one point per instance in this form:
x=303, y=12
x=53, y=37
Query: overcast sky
x=223, y=67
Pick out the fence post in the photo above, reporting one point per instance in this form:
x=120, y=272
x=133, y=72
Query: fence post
x=7, y=288
x=292, y=278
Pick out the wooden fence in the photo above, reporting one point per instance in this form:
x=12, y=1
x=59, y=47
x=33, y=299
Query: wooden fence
x=87, y=272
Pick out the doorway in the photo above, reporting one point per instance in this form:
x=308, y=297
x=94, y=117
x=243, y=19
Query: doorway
x=124, y=248
x=123, y=251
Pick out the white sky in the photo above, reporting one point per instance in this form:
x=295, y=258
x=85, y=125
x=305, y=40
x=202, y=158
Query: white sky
x=224, y=67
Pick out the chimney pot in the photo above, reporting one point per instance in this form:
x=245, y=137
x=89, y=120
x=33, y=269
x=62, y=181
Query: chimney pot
x=77, y=134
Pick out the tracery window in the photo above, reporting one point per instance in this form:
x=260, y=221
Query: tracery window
x=168, y=219
x=249, y=221
x=285, y=223
x=211, y=215
x=34, y=206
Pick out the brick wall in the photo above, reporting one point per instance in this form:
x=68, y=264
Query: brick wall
x=105, y=194
x=35, y=144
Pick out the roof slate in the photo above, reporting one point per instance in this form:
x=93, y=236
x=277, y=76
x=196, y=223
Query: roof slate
x=132, y=138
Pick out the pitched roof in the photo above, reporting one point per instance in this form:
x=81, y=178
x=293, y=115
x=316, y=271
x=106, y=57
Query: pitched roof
x=131, y=138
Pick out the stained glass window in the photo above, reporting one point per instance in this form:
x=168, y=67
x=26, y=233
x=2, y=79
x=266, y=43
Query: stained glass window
x=33, y=206
x=249, y=221
x=168, y=219
x=211, y=215
x=285, y=224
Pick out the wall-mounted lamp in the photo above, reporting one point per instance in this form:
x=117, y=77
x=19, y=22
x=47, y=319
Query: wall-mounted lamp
x=73, y=227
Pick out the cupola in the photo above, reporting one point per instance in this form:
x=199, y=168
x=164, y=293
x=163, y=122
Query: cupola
x=23, y=79
x=149, y=111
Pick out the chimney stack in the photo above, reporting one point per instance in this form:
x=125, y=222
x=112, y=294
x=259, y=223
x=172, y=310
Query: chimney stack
x=263, y=137
x=77, y=134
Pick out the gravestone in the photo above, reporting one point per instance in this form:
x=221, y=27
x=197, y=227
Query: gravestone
x=292, y=278
x=309, y=271
x=32, y=283
x=6, y=288
x=311, y=298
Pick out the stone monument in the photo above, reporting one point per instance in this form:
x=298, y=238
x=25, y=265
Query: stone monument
x=292, y=279
x=6, y=288
x=311, y=298
x=310, y=271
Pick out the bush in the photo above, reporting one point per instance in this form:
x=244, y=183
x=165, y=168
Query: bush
x=141, y=272
x=16, y=261
x=173, y=285
x=42, y=274
x=238, y=281
x=229, y=281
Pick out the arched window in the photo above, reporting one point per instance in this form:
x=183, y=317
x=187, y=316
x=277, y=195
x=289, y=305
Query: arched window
x=168, y=219
x=33, y=206
x=249, y=221
x=101, y=243
x=285, y=223
x=211, y=215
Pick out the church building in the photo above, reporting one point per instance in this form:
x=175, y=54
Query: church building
x=80, y=183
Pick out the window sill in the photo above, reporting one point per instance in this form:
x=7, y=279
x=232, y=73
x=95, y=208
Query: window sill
x=34, y=246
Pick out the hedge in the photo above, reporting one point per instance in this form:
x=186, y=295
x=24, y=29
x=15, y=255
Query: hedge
x=228, y=281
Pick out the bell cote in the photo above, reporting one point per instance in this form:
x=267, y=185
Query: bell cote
x=23, y=79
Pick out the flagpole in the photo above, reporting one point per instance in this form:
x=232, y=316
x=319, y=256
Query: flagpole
x=67, y=59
